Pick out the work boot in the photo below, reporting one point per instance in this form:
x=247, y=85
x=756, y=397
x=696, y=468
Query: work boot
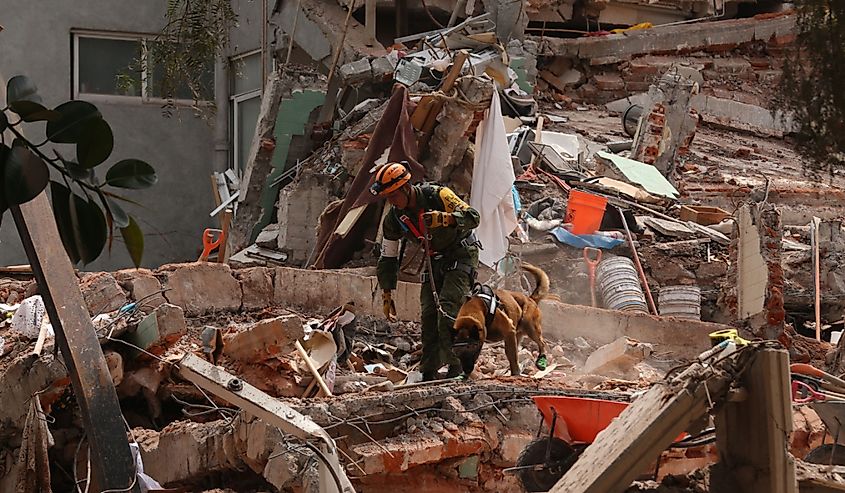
x=454, y=371
x=429, y=376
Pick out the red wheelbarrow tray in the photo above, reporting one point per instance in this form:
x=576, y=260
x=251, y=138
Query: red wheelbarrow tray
x=582, y=417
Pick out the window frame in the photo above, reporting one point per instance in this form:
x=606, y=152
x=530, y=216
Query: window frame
x=144, y=98
x=236, y=99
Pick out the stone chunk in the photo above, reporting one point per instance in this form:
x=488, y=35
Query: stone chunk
x=159, y=329
x=102, y=293
x=356, y=72
x=257, y=287
x=141, y=284
x=617, y=359
x=202, y=288
x=265, y=339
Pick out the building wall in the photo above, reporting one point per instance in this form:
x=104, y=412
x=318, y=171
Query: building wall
x=36, y=41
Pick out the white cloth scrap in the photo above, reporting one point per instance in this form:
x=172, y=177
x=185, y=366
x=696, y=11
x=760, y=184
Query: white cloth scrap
x=492, y=180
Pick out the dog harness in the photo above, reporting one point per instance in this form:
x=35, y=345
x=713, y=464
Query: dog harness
x=491, y=302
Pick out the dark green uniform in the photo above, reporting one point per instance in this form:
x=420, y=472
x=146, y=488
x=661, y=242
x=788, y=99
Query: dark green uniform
x=454, y=261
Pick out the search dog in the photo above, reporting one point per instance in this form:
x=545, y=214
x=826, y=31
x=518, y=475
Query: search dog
x=501, y=315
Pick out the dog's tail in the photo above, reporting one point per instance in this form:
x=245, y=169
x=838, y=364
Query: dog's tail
x=541, y=291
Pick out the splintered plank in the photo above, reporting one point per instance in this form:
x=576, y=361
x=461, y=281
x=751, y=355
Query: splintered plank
x=624, y=449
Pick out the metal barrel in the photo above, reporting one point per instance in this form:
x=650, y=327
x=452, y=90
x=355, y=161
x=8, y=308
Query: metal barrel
x=620, y=286
x=680, y=302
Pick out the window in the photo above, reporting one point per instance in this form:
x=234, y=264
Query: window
x=245, y=87
x=120, y=65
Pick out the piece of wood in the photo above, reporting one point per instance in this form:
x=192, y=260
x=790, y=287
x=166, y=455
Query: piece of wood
x=643, y=278
x=651, y=423
x=258, y=168
x=448, y=82
x=752, y=436
x=112, y=466
x=225, y=224
x=310, y=364
x=340, y=45
x=675, y=244
x=817, y=478
x=370, y=17
x=817, y=277
x=42, y=335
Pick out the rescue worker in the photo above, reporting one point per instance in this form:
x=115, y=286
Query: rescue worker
x=435, y=211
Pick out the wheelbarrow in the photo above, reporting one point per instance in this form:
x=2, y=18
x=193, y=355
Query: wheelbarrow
x=574, y=423
x=825, y=394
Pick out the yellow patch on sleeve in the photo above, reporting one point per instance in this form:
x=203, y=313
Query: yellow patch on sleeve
x=451, y=201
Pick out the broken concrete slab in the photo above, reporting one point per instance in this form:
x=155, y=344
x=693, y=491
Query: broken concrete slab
x=201, y=288
x=744, y=116
x=617, y=359
x=265, y=339
x=723, y=35
x=142, y=286
x=398, y=455
x=566, y=322
x=257, y=286
x=357, y=72
x=325, y=290
x=102, y=293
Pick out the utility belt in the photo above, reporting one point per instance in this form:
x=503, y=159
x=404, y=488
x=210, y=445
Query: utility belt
x=453, y=265
x=469, y=241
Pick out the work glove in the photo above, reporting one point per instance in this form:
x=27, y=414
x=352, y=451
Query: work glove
x=389, y=306
x=437, y=219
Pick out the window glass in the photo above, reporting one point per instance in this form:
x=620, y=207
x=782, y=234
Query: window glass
x=106, y=66
x=246, y=73
x=247, y=115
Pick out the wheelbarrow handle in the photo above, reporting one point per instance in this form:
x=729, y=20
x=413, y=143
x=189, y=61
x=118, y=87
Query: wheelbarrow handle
x=812, y=395
x=209, y=242
x=592, y=256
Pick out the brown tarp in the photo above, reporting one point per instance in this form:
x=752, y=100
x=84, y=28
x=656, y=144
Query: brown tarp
x=394, y=130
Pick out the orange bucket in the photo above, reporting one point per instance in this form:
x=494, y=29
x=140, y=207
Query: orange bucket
x=585, y=212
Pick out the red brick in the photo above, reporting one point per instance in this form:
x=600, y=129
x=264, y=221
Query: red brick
x=759, y=62
x=642, y=66
x=780, y=41
x=609, y=82
x=635, y=86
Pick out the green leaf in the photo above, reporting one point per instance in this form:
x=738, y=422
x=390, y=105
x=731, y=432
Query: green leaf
x=81, y=223
x=62, y=202
x=120, y=217
x=131, y=173
x=134, y=239
x=25, y=175
x=70, y=126
x=95, y=144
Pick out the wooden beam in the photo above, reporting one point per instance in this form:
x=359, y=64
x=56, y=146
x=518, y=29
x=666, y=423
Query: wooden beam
x=112, y=466
x=752, y=435
x=623, y=450
x=370, y=17
x=258, y=168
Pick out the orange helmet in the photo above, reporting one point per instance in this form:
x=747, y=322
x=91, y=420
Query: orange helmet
x=389, y=178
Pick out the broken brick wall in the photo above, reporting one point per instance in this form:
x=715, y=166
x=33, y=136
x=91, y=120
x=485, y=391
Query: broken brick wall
x=740, y=60
x=754, y=290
